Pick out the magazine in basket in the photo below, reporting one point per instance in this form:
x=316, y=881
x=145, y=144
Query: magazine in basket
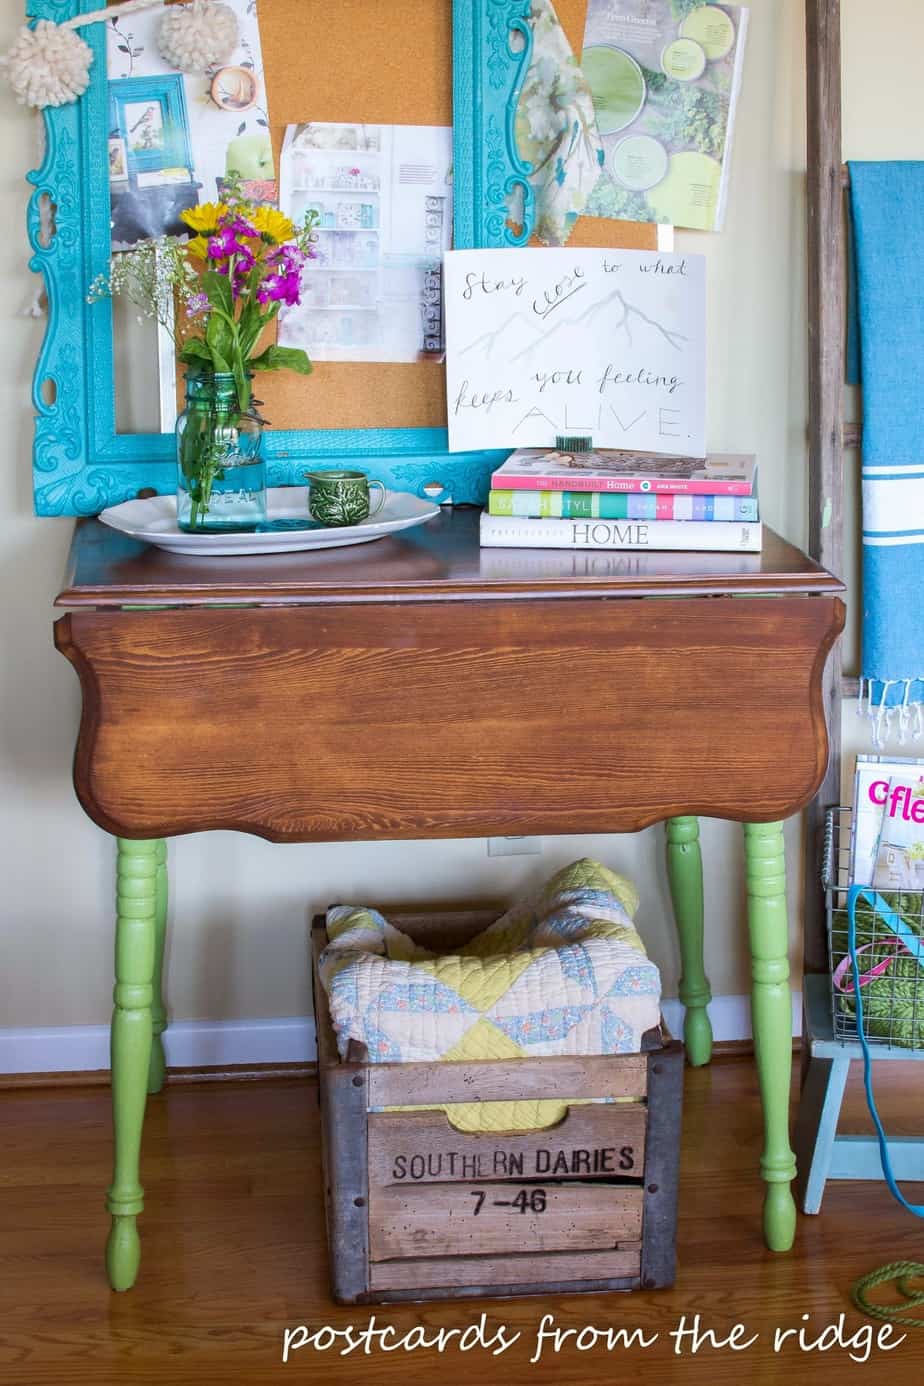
x=887, y=840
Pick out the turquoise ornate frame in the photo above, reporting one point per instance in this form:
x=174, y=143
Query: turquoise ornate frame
x=80, y=463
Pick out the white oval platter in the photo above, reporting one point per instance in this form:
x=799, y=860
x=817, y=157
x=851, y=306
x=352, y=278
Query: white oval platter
x=153, y=521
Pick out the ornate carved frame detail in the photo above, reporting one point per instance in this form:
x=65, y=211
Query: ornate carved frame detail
x=81, y=464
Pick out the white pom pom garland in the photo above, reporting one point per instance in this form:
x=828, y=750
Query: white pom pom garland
x=194, y=38
x=48, y=65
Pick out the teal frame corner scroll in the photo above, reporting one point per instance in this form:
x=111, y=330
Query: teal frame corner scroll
x=80, y=463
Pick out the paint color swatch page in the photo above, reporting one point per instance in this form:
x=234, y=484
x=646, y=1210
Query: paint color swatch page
x=665, y=77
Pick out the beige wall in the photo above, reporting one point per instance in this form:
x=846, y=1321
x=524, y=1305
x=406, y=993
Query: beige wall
x=238, y=943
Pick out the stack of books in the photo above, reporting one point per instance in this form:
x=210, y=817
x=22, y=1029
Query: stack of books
x=578, y=497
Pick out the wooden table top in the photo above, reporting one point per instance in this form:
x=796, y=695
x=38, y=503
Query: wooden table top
x=440, y=560
x=588, y=714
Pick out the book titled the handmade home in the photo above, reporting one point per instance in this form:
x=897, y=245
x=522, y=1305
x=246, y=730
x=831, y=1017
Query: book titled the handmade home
x=608, y=469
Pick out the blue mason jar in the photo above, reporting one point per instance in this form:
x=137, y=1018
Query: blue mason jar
x=221, y=473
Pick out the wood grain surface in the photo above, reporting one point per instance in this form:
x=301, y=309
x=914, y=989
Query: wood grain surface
x=826, y=252
x=411, y=1148
x=524, y=1269
x=440, y=560
x=234, y=1254
x=559, y=1078
x=550, y=716
x=441, y=1219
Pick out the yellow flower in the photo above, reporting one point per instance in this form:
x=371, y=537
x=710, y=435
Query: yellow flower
x=197, y=247
x=272, y=225
x=204, y=218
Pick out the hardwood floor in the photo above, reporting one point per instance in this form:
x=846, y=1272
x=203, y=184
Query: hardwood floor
x=234, y=1254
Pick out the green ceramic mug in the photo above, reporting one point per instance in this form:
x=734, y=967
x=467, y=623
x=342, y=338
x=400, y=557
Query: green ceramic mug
x=342, y=498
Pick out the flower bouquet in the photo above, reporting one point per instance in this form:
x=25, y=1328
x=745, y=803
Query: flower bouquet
x=229, y=281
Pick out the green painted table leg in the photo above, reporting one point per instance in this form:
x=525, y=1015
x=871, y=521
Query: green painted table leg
x=771, y=1007
x=685, y=873
x=158, y=1009
x=135, y=949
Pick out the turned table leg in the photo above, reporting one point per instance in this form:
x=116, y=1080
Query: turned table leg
x=685, y=874
x=135, y=949
x=158, y=1009
x=771, y=1007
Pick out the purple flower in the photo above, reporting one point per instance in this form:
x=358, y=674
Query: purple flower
x=282, y=284
x=286, y=259
x=240, y=227
x=225, y=244
x=280, y=287
x=197, y=304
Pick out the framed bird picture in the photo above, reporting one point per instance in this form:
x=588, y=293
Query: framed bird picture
x=149, y=116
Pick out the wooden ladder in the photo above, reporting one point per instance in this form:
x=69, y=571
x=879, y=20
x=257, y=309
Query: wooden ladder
x=821, y=1153
x=829, y=436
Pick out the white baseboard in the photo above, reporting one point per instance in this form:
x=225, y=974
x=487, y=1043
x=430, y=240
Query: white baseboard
x=227, y=1043
x=730, y=1016
x=188, y=1044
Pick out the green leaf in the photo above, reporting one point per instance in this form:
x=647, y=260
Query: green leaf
x=277, y=358
x=250, y=325
x=219, y=338
x=241, y=379
x=218, y=288
x=194, y=349
x=220, y=365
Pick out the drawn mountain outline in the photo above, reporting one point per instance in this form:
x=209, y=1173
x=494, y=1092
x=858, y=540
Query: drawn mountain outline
x=493, y=337
x=588, y=315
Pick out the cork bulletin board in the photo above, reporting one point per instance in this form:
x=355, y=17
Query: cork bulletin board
x=383, y=64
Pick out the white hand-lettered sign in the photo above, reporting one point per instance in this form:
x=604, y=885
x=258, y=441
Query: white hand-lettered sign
x=610, y=343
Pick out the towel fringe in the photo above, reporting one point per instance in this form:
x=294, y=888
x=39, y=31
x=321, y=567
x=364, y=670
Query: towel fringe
x=906, y=718
x=883, y=715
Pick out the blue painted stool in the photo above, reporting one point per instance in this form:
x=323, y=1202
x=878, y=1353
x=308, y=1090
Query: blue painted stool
x=821, y=1154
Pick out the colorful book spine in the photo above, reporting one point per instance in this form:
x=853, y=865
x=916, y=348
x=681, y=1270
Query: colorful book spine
x=655, y=485
x=594, y=505
x=498, y=532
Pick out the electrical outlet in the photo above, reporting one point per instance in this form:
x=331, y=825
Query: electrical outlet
x=514, y=846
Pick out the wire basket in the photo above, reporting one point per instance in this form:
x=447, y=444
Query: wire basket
x=893, y=995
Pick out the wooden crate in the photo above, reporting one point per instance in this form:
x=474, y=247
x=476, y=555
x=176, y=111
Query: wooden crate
x=418, y=1210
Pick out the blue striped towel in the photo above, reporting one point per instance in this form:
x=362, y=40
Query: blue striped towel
x=888, y=233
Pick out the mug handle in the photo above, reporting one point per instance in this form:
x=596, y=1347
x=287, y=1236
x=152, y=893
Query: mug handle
x=374, y=510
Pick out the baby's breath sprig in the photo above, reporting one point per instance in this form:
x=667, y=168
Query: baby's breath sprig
x=151, y=276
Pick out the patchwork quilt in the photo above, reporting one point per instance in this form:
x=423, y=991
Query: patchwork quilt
x=563, y=973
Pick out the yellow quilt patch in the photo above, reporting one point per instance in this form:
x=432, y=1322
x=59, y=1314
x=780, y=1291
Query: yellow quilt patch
x=483, y=1041
x=480, y=982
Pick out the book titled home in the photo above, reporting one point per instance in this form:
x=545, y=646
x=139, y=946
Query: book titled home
x=712, y=536
x=603, y=469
